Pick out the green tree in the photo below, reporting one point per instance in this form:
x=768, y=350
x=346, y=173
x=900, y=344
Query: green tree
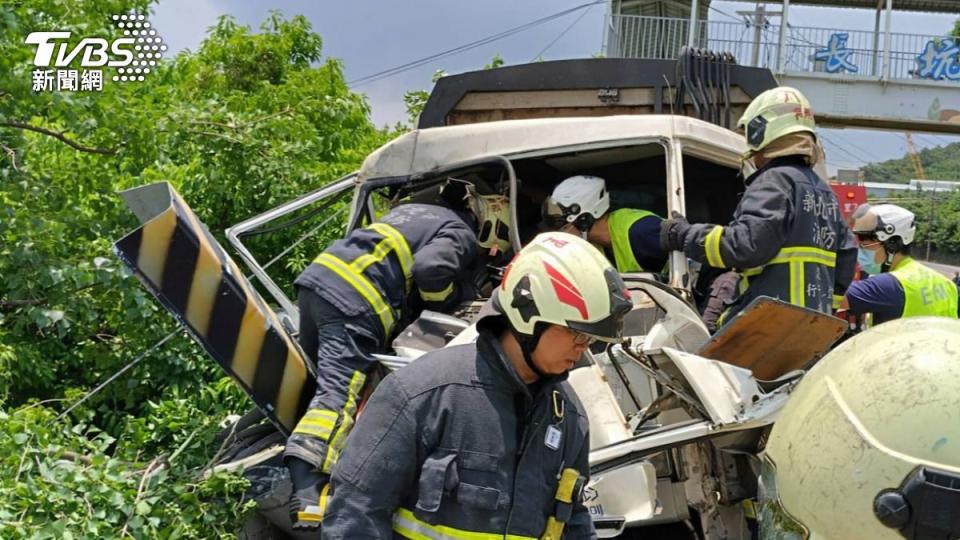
x=247, y=121
x=940, y=162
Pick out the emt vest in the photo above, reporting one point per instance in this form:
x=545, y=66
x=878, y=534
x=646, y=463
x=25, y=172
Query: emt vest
x=925, y=291
x=619, y=222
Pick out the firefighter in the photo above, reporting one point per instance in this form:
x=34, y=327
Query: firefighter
x=486, y=439
x=898, y=285
x=355, y=296
x=868, y=446
x=631, y=238
x=787, y=237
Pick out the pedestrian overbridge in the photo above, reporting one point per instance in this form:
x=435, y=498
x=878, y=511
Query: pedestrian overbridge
x=876, y=79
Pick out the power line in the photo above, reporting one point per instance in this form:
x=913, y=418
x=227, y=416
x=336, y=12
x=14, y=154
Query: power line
x=842, y=149
x=869, y=153
x=565, y=30
x=467, y=46
x=727, y=15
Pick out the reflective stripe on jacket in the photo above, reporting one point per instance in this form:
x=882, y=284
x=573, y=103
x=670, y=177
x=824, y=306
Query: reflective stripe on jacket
x=415, y=248
x=925, y=291
x=787, y=238
x=456, y=446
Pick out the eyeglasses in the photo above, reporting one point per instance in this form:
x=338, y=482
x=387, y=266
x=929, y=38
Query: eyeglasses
x=579, y=338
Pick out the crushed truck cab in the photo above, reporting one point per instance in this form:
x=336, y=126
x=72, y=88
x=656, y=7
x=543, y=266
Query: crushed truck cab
x=677, y=417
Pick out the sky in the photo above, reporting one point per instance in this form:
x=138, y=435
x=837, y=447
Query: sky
x=373, y=35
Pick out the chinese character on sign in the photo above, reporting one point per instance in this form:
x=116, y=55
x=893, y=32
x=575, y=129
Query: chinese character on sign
x=837, y=55
x=42, y=80
x=938, y=60
x=91, y=80
x=66, y=80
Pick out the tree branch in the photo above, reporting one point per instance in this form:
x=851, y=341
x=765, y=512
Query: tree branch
x=13, y=156
x=61, y=137
x=6, y=305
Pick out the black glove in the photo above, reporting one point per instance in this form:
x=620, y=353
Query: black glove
x=304, y=504
x=673, y=232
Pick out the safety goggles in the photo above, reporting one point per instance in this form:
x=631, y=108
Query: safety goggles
x=555, y=214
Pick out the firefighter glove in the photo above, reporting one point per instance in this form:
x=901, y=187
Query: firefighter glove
x=673, y=232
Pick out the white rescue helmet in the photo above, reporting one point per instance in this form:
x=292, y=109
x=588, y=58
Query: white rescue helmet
x=885, y=222
x=561, y=279
x=578, y=200
x=868, y=446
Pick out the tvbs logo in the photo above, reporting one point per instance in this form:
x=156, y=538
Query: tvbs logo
x=133, y=55
x=94, y=50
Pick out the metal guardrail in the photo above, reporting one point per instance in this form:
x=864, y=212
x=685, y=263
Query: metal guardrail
x=634, y=36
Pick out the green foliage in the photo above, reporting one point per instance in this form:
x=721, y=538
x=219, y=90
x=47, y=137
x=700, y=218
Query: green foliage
x=246, y=122
x=938, y=220
x=940, y=162
x=938, y=214
x=495, y=62
x=955, y=32
x=77, y=481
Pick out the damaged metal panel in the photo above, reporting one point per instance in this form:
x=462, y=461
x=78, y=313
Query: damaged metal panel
x=179, y=261
x=771, y=338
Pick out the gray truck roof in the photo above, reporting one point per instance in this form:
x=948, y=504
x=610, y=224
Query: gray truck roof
x=423, y=150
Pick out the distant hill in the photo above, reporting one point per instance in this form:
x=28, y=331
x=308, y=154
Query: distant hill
x=939, y=163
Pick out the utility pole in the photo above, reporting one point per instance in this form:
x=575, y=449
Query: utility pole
x=758, y=18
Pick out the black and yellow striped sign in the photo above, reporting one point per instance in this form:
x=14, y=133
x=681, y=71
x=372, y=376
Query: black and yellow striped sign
x=180, y=262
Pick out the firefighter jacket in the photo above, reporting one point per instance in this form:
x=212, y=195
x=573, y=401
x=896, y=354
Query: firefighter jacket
x=456, y=446
x=371, y=284
x=416, y=256
x=787, y=239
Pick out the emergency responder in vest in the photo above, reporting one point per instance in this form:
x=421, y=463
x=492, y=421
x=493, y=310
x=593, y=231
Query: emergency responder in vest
x=487, y=440
x=898, y=286
x=787, y=237
x=352, y=300
x=631, y=238
x=868, y=446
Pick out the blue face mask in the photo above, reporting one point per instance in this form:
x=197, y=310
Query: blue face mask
x=866, y=262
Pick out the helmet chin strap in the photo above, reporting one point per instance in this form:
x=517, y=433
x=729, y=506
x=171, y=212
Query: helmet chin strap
x=527, y=345
x=888, y=260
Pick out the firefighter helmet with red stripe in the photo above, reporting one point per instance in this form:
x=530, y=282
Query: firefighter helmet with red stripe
x=561, y=279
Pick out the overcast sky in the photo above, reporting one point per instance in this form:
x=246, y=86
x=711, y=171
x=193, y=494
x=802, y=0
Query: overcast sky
x=374, y=35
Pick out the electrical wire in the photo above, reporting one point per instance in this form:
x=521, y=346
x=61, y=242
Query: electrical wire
x=842, y=148
x=122, y=370
x=467, y=46
x=869, y=153
x=565, y=30
x=727, y=15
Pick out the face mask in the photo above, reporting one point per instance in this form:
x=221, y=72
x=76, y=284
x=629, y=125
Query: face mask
x=866, y=262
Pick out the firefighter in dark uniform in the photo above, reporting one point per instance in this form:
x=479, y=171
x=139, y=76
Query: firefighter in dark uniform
x=787, y=237
x=352, y=300
x=487, y=440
